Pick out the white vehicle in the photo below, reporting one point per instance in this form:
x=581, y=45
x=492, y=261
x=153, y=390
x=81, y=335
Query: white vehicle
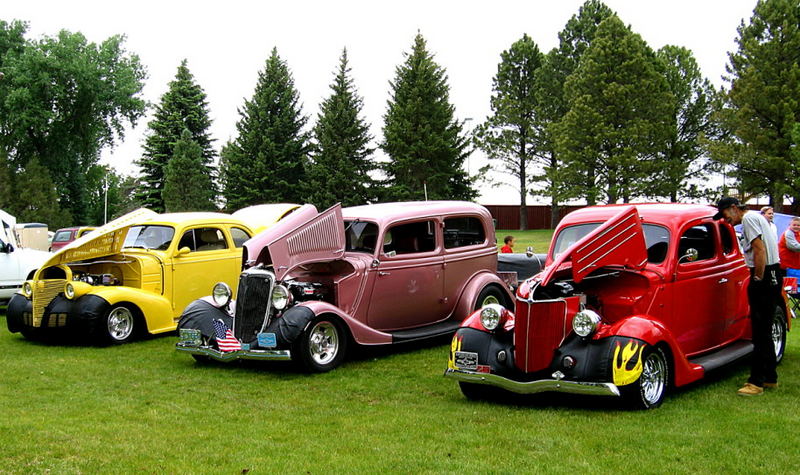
x=16, y=265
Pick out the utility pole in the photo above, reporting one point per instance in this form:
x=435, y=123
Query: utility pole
x=105, y=200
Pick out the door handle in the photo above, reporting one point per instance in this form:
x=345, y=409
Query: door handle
x=383, y=273
x=722, y=280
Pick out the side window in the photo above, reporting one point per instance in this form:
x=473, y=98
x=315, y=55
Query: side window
x=239, y=236
x=460, y=232
x=700, y=237
x=727, y=238
x=410, y=238
x=203, y=239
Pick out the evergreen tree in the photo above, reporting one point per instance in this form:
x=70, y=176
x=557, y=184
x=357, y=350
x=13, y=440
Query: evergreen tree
x=266, y=162
x=424, y=141
x=619, y=117
x=684, y=157
x=187, y=186
x=762, y=106
x=62, y=99
x=341, y=166
x=513, y=135
x=37, y=199
x=182, y=107
x=559, y=64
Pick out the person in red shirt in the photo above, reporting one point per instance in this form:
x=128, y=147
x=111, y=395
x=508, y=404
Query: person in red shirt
x=789, y=249
x=509, y=245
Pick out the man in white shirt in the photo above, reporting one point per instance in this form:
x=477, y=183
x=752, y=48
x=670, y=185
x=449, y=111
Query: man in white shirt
x=763, y=293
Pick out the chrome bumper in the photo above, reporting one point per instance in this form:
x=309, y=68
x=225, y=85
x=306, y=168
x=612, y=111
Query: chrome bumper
x=271, y=355
x=532, y=387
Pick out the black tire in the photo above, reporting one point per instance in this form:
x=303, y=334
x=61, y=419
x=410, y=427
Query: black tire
x=779, y=333
x=478, y=392
x=119, y=325
x=649, y=390
x=491, y=294
x=322, y=345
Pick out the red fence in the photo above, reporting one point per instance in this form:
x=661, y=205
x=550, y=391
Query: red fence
x=507, y=216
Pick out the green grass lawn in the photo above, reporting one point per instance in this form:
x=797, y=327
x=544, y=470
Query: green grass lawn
x=143, y=407
x=539, y=239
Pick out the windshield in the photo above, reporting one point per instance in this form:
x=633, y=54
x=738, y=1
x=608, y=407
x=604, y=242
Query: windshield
x=360, y=236
x=62, y=236
x=149, y=237
x=655, y=237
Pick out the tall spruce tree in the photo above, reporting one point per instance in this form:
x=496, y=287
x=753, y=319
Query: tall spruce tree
x=187, y=186
x=619, y=117
x=424, y=141
x=762, y=103
x=513, y=136
x=267, y=161
x=684, y=157
x=182, y=107
x=559, y=64
x=341, y=160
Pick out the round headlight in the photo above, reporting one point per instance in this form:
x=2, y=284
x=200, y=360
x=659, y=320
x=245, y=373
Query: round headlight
x=490, y=316
x=27, y=289
x=221, y=294
x=585, y=322
x=280, y=297
x=69, y=291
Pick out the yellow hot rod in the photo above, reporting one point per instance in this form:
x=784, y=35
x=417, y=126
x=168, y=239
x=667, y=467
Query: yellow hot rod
x=136, y=274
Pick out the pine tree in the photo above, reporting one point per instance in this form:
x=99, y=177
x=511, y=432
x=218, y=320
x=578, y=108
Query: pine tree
x=762, y=105
x=559, y=64
x=37, y=199
x=341, y=166
x=513, y=136
x=187, y=186
x=424, y=141
x=183, y=106
x=620, y=113
x=266, y=162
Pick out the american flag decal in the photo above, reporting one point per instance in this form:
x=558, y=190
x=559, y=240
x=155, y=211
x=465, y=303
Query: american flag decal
x=225, y=339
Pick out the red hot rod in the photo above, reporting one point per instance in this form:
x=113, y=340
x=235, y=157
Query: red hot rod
x=632, y=300
x=371, y=275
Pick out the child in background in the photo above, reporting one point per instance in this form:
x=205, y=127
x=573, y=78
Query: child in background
x=509, y=245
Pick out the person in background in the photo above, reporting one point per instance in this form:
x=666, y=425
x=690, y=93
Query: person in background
x=789, y=249
x=763, y=291
x=509, y=245
x=769, y=214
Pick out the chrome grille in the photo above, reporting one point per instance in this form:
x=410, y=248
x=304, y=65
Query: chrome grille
x=252, y=304
x=44, y=291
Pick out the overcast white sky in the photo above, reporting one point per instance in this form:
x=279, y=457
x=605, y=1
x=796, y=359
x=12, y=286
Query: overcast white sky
x=227, y=43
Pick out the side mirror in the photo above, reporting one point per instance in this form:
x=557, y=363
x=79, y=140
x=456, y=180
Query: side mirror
x=6, y=248
x=182, y=251
x=691, y=255
x=529, y=251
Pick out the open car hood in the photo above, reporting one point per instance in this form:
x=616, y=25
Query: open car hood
x=619, y=241
x=103, y=241
x=260, y=217
x=303, y=236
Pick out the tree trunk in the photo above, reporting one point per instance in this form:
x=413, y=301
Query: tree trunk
x=554, y=214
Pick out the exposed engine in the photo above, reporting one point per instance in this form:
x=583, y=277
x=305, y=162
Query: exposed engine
x=95, y=279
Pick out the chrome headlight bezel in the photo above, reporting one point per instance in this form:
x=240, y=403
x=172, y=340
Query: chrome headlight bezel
x=221, y=294
x=27, y=289
x=585, y=323
x=280, y=297
x=69, y=291
x=491, y=315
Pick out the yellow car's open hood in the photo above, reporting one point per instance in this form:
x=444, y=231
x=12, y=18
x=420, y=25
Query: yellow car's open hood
x=103, y=241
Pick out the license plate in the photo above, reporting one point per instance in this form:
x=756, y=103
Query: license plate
x=267, y=340
x=466, y=360
x=190, y=337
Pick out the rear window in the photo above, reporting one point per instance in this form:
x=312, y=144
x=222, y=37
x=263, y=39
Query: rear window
x=62, y=236
x=465, y=231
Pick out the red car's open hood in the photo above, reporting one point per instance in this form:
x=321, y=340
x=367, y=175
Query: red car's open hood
x=618, y=241
x=303, y=236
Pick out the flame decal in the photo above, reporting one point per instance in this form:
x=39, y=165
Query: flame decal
x=455, y=345
x=622, y=375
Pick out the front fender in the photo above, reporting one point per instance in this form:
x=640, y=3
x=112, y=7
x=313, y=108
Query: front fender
x=362, y=334
x=156, y=309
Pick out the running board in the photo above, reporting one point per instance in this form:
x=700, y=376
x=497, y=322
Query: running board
x=431, y=331
x=724, y=356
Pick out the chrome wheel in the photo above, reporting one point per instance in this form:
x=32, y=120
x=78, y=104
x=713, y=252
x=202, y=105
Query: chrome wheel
x=490, y=299
x=323, y=343
x=779, y=334
x=120, y=324
x=653, y=378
